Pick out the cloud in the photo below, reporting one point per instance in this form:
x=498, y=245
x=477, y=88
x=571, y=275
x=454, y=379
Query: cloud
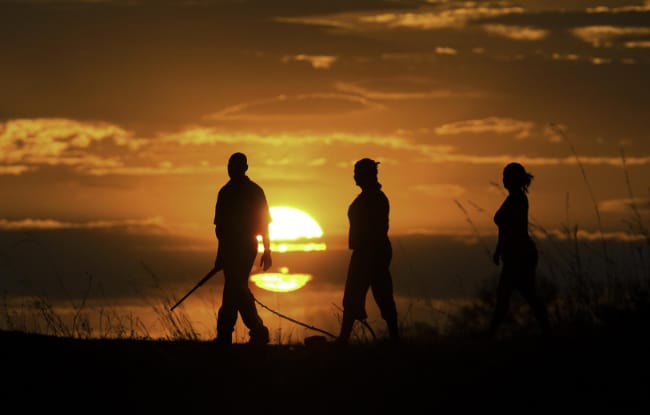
x=15, y=170
x=620, y=9
x=625, y=205
x=588, y=236
x=437, y=156
x=439, y=16
x=28, y=143
x=526, y=33
x=161, y=169
x=316, y=61
x=565, y=57
x=488, y=125
x=303, y=106
x=444, y=50
x=210, y=136
x=52, y=224
x=637, y=44
x=604, y=35
x=396, y=89
x=426, y=19
x=596, y=60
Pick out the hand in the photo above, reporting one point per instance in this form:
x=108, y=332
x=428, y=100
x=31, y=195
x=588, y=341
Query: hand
x=495, y=258
x=266, y=261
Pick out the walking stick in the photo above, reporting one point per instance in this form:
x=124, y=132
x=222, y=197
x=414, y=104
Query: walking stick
x=209, y=275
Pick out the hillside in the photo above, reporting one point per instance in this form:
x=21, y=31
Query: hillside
x=589, y=371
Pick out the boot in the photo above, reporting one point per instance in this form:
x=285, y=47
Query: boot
x=346, y=331
x=259, y=337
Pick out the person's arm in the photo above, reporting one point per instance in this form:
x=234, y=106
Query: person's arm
x=218, y=261
x=266, y=260
x=500, y=219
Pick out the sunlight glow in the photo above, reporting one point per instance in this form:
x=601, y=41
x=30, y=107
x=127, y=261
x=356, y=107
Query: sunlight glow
x=288, y=223
x=281, y=281
x=293, y=230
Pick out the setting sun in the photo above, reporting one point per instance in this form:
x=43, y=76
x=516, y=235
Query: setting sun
x=293, y=230
x=280, y=281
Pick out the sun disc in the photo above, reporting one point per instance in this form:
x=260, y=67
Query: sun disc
x=293, y=230
x=281, y=281
x=289, y=224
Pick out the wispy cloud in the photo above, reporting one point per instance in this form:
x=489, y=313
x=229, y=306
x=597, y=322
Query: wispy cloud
x=526, y=33
x=626, y=205
x=586, y=235
x=438, y=16
x=302, y=106
x=158, y=170
x=427, y=19
x=53, y=224
x=565, y=57
x=604, y=35
x=15, y=169
x=203, y=136
x=637, y=44
x=26, y=143
x=316, y=61
x=620, y=9
x=396, y=89
x=497, y=125
x=446, y=50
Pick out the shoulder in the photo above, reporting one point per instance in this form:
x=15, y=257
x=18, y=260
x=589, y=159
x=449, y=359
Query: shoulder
x=254, y=187
x=380, y=196
x=516, y=201
x=225, y=188
x=520, y=197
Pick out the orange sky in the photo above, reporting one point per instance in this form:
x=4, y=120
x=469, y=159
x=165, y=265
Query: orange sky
x=123, y=113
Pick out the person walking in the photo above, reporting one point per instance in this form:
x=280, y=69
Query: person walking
x=516, y=250
x=241, y=215
x=369, y=266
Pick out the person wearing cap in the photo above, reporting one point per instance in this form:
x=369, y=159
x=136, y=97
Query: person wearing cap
x=369, y=267
x=516, y=250
x=241, y=215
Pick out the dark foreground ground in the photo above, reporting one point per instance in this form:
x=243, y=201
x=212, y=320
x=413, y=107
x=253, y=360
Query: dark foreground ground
x=593, y=371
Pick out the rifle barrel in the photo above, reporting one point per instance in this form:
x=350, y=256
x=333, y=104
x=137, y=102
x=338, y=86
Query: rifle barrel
x=207, y=276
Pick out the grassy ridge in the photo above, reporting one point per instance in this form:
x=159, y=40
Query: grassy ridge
x=587, y=372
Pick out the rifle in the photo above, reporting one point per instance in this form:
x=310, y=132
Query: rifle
x=207, y=276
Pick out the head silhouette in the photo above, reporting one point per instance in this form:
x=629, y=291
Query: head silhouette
x=365, y=172
x=515, y=177
x=237, y=165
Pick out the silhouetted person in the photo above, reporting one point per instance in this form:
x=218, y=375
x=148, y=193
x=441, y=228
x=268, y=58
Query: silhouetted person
x=241, y=214
x=369, y=266
x=516, y=249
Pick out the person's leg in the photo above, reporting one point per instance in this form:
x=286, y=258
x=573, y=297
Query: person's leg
x=227, y=315
x=529, y=293
x=382, y=291
x=503, y=294
x=354, y=296
x=258, y=332
x=347, y=322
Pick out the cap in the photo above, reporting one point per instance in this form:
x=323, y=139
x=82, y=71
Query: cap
x=366, y=165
